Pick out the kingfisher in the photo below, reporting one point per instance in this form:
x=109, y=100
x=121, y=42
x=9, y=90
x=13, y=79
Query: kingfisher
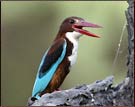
x=60, y=56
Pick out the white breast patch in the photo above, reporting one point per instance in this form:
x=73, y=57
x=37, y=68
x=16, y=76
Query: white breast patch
x=74, y=38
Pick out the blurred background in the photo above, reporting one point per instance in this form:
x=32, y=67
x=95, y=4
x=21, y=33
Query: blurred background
x=28, y=29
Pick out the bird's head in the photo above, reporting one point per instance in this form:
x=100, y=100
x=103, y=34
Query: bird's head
x=76, y=24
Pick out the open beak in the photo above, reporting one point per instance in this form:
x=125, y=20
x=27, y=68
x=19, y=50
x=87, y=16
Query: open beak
x=78, y=27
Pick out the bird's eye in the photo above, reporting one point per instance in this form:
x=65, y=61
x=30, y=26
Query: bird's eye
x=71, y=21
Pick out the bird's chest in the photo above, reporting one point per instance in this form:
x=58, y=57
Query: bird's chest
x=74, y=40
x=72, y=58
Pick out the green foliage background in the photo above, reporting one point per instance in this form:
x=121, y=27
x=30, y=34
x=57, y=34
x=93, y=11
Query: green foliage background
x=29, y=27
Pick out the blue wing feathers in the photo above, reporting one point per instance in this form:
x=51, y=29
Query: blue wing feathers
x=51, y=57
x=42, y=82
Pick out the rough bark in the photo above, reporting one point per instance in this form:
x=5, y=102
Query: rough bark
x=101, y=92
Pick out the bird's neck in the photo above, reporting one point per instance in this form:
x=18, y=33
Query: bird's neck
x=73, y=36
x=69, y=35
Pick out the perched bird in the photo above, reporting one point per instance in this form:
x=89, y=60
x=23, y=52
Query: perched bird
x=60, y=56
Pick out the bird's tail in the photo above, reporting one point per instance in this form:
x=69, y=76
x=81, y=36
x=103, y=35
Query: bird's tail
x=31, y=100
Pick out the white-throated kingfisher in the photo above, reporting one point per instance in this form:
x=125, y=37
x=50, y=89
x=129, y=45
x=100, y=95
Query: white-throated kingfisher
x=60, y=56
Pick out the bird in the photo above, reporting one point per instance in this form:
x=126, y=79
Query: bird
x=60, y=56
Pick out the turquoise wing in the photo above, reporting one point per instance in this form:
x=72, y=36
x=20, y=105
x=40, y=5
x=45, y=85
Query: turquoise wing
x=50, y=61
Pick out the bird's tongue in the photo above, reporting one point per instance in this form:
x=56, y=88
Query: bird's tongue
x=79, y=29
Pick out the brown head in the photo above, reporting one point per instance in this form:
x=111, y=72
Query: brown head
x=76, y=24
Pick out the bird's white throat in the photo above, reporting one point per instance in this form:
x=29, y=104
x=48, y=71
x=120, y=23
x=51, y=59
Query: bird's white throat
x=73, y=37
